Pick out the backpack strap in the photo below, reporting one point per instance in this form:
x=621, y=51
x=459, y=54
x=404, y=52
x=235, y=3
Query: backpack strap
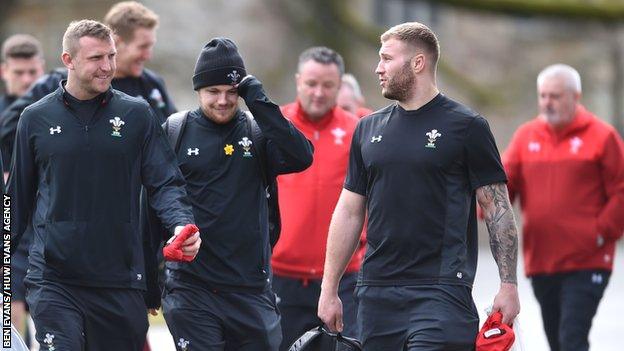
x=258, y=142
x=174, y=127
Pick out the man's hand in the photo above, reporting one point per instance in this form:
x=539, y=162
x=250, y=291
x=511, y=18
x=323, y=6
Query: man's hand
x=507, y=302
x=330, y=311
x=190, y=246
x=184, y=245
x=249, y=76
x=153, y=311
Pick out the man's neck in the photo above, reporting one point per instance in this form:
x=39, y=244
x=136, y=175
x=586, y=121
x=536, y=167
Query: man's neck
x=420, y=97
x=311, y=119
x=559, y=127
x=73, y=89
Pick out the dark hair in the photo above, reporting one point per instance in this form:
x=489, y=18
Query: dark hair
x=322, y=55
x=20, y=46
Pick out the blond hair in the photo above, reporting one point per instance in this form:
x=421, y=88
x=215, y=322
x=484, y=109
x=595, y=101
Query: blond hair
x=416, y=35
x=126, y=16
x=83, y=28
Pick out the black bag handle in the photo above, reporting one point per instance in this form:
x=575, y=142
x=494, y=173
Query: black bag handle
x=311, y=335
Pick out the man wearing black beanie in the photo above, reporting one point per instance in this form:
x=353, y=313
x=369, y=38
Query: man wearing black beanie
x=223, y=299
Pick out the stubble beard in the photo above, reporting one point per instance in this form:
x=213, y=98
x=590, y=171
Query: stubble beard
x=400, y=85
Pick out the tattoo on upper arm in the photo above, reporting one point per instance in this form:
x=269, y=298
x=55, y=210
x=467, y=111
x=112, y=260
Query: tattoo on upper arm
x=501, y=224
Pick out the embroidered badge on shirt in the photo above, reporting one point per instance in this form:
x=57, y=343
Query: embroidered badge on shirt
x=183, y=344
x=246, y=144
x=117, y=124
x=431, y=137
x=49, y=341
x=192, y=152
x=229, y=149
x=56, y=130
x=338, y=134
x=534, y=146
x=575, y=144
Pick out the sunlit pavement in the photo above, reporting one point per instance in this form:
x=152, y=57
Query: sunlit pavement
x=606, y=333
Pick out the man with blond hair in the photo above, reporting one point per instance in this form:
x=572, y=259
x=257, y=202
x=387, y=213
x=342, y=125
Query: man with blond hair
x=567, y=168
x=134, y=31
x=81, y=155
x=418, y=167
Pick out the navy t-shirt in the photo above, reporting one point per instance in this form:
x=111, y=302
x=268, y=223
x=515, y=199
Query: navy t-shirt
x=419, y=171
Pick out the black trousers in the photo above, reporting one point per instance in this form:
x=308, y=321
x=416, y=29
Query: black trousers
x=203, y=319
x=87, y=319
x=298, y=304
x=569, y=302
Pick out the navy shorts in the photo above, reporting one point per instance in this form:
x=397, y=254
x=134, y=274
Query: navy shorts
x=84, y=318
x=417, y=318
x=203, y=319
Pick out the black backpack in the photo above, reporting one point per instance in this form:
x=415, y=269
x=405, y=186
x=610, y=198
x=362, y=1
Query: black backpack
x=319, y=339
x=174, y=128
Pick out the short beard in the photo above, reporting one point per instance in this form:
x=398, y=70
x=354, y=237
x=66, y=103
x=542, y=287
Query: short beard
x=400, y=86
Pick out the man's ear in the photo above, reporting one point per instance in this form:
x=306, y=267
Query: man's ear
x=297, y=79
x=67, y=60
x=418, y=63
x=577, y=97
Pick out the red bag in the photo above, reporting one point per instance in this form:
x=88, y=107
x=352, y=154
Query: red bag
x=495, y=335
x=173, y=249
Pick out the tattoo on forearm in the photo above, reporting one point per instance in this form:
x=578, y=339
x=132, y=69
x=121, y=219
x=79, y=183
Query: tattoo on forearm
x=501, y=225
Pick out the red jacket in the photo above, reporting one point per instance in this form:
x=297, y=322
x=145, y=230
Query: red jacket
x=571, y=189
x=307, y=199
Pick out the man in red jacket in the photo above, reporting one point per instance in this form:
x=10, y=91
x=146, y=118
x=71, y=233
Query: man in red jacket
x=307, y=199
x=567, y=167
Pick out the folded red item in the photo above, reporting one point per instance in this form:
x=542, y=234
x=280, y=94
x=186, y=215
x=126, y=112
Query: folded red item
x=173, y=249
x=495, y=335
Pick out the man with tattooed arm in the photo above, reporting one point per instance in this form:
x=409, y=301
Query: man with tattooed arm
x=417, y=168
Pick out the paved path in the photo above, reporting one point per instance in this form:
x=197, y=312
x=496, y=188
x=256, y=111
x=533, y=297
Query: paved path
x=606, y=333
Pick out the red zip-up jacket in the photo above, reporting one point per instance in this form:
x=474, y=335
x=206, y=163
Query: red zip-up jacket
x=307, y=199
x=571, y=189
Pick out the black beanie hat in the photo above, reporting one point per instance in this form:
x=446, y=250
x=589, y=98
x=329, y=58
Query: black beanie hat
x=218, y=63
